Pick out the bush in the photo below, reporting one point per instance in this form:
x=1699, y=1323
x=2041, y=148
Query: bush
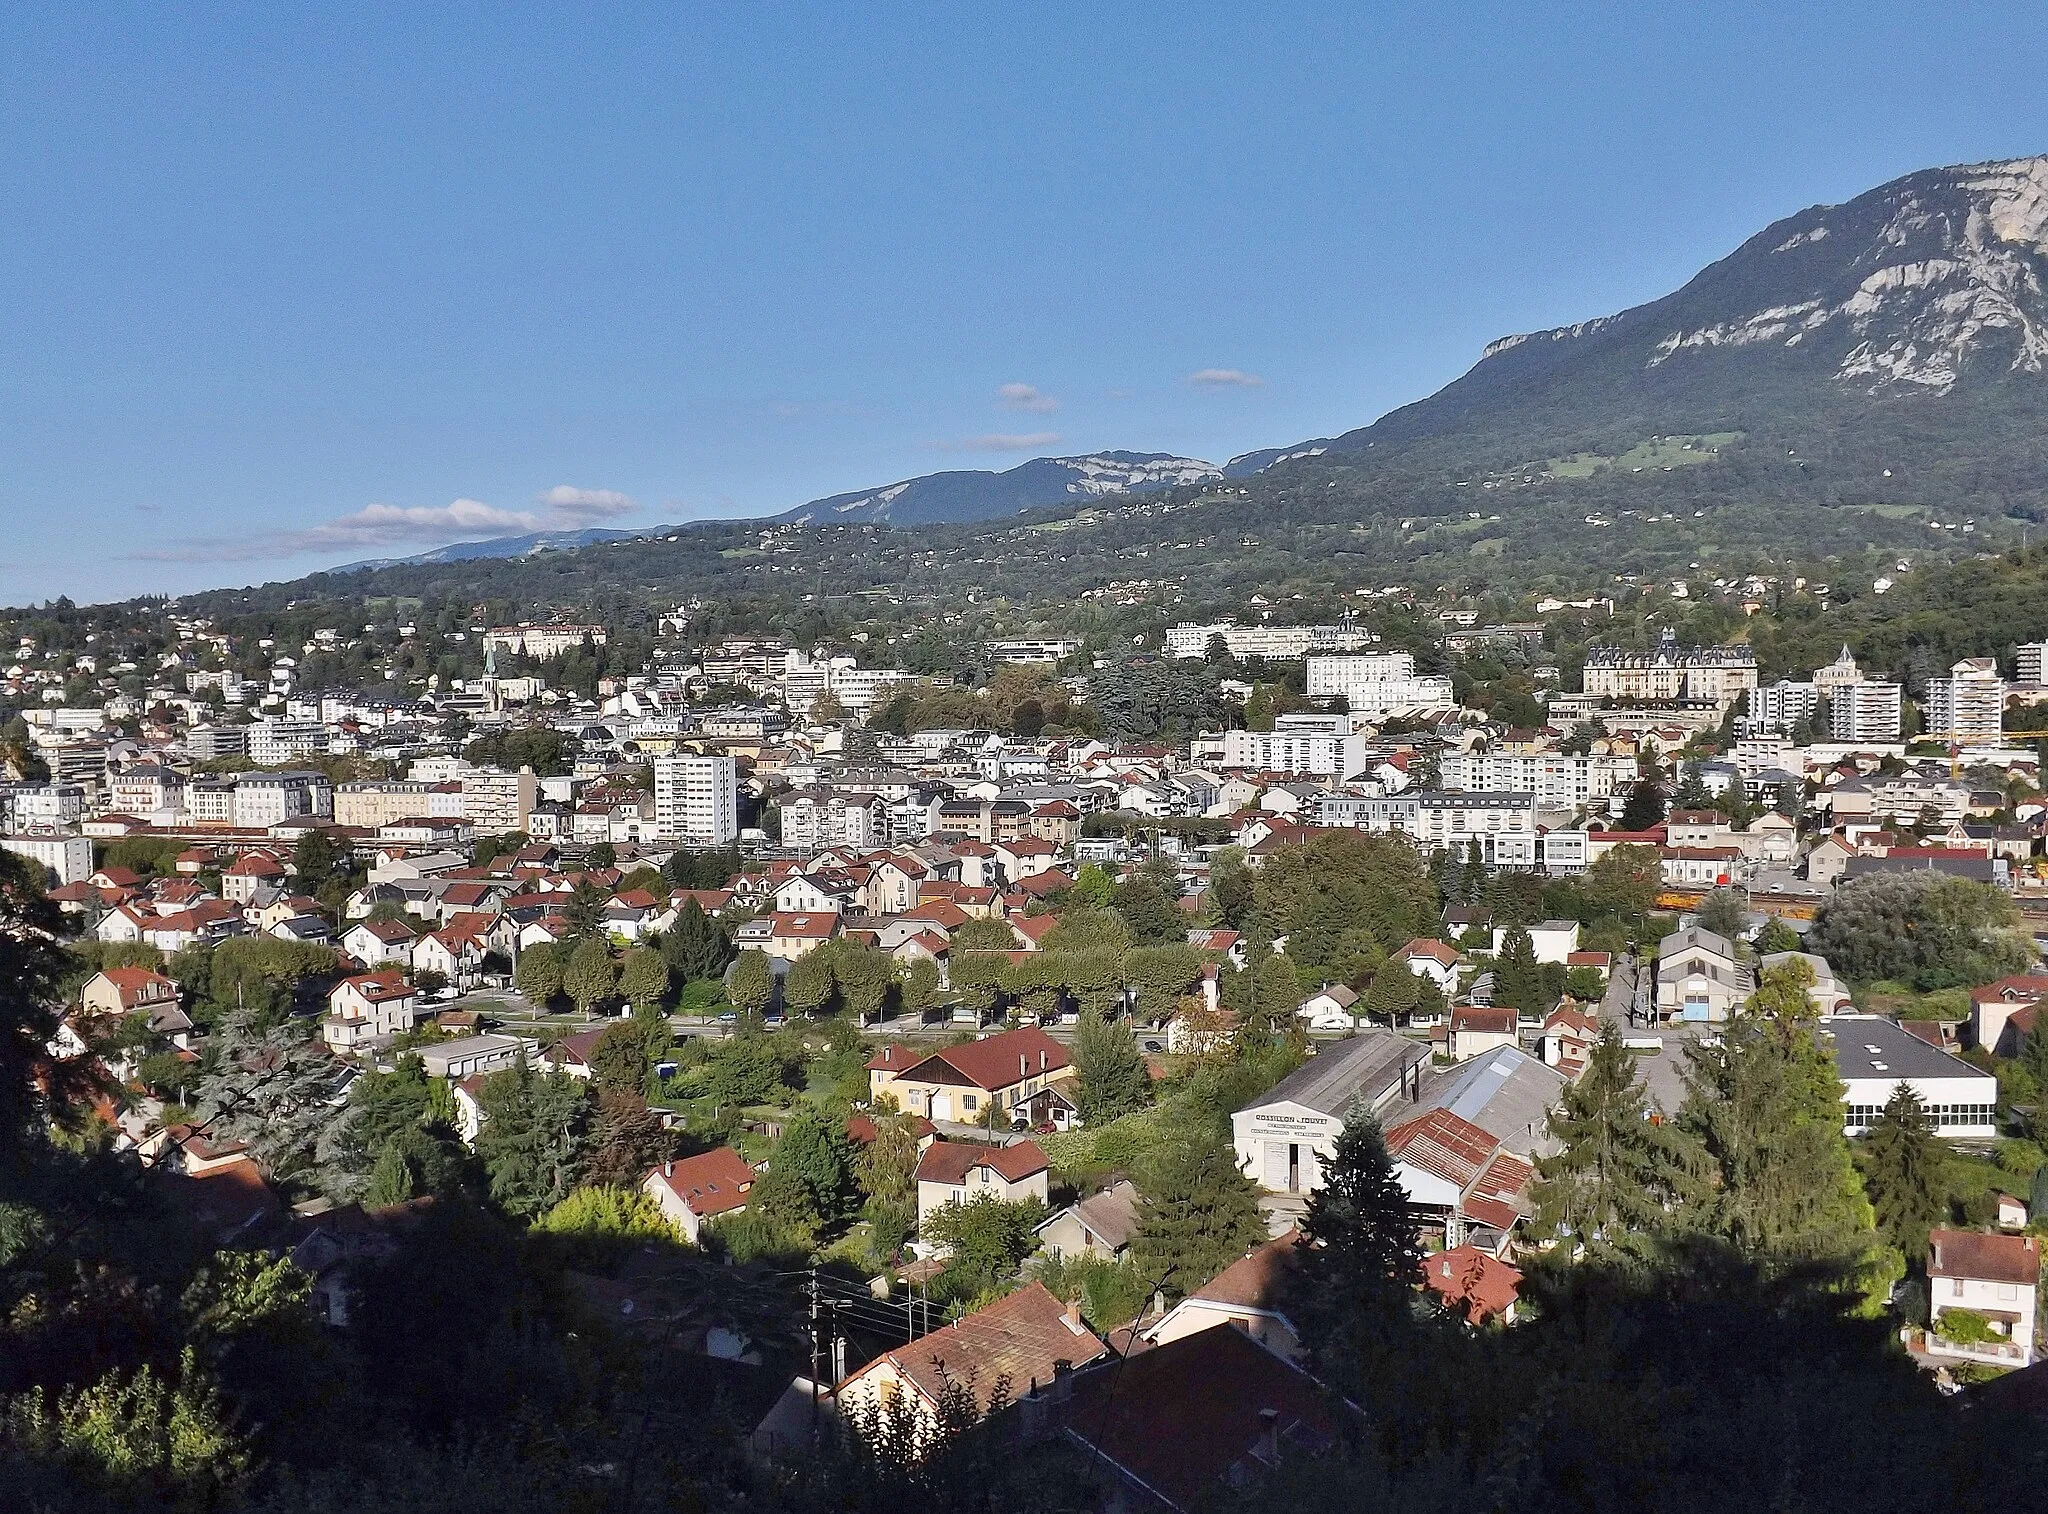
x=751, y=1237
x=1966, y=1327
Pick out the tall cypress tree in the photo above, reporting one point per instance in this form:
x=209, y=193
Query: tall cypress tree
x=1617, y=1178
x=1360, y=1222
x=1112, y=1074
x=1903, y=1173
x=1517, y=977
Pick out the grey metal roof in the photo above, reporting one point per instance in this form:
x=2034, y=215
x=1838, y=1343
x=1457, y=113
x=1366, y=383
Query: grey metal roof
x=1507, y=1093
x=1358, y=1069
x=1869, y=1046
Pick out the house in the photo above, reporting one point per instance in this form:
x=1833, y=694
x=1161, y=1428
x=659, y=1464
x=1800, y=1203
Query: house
x=1700, y=977
x=1476, y=1030
x=1101, y=1225
x=1991, y=1277
x=883, y=1067
x=368, y=1007
x=1567, y=1040
x=455, y=955
x=1874, y=1055
x=572, y=1053
x=1334, y=1006
x=956, y=1172
x=1248, y=1295
x=1432, y=960
x=129, y=991
x=1188, y=1425
x=374, y=942
x=1553, y=940
x=793, y=934
x=1458, y=1173
x=699, y=1189
x=2011, y=1212
x=1993, y=1006
x=960, y=1083
x=1478, y=1285
x=1022, y=1340
x=1283, y=1138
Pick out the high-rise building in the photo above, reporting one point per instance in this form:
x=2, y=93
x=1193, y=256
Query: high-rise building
x=1782, y=705
x=2031, y=662
x=696, y=800
x=1864, y=711
x=1969, y=704
x=496, y=802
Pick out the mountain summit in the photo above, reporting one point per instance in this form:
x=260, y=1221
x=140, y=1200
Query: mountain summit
x=1927, y=289
x=975, y=494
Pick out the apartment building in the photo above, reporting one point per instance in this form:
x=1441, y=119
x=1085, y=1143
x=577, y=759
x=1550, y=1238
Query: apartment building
x=696, y=799
x=1559, y=781
x=496, y=802
x=1969, y=704
x=277, y=741
x=1723, y=675
x=370, y=803
x=1270, y=643
x=1864, y=711
x=541, y=642
x=267, y=799
x=1376, y=681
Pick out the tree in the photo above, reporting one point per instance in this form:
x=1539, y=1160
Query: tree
x=1093, y=887
x=532, y=1140
x=1764, y=1104
x=918, y=987
x=1393, y=992
x=751, y=986
x=863, y=975
x=1150, y=912
x=591, y=976
x=625, y=1053
x=1197, y=1213
x=807, y=986
x=583, y=913
x=1112, y=1074
x=1360, y=1229
x=644, y=980
x=817, y=1156
x=886, y=1167
x=539, y=974
x=1725, y=912
x=1903, y=1173
x=988, y=1239
x=1624, y=882
x=1776, y=936
x=1617, y=1177
x=274, y=1089
x=35, y=1083
x=696, y=947
x=315, y=859
x=1644, y=808
x=1517, y=976
x=603, y=855
x=1922, y=928
x=607, y=1213
x=627, y=1139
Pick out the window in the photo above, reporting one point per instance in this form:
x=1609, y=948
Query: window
x=969, y=1103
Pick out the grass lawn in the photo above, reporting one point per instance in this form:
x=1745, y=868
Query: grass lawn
x=1886, y=997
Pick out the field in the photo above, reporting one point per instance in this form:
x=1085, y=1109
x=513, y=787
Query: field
x=1661, y=452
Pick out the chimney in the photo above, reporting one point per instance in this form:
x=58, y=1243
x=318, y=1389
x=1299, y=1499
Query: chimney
x=668, y=1169
x=1023, y=1065
x=1267, y=1448
x=1041, y=1059
x=1074, y=1317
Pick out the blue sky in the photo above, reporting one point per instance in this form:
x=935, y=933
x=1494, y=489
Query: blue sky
x=287, y=286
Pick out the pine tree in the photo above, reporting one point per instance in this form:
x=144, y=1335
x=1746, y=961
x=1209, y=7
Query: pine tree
x=1473, y=881
x=1517, y=976
x=584, y=911
x=1902, y=1173
x=273, y=1089
x=392, y=1180
x=696, y=948
x=1617, y=1178
x=1112, y=1074
x=1764, y=1103
x=532, y=1139
x=817, y=1156
x=1360, y=1226
x=1197, y=1213
x=627, y=1139
x=1645, y=807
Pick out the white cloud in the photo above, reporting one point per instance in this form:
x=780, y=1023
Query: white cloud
x=1225, y=378
x=376, y=527
x=1027, y=397
x=584, y=505
x=1001, y=442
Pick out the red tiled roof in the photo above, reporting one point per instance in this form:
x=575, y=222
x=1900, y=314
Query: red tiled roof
x=1433, y=951
x=1465, y=1275
x=993, y=1062
x=1483, y=1020
x=132, y=982
x=812, y=925
x=894, y=1057
x=860, y=1128
x=1256, y=1281
x=950, y=1161
x=1020, y=1340
x=1984, y=1258
x=714, y=1183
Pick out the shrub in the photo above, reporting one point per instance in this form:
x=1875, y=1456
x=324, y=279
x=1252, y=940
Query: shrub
x=1966, y=1327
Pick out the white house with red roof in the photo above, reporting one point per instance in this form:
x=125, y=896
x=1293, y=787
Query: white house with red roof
x=369, y=1007
x=958, y=1172
x=375, y=942
x=1432, y=960
x=1994, y=1277
x=697, y=1190
x=797, y=933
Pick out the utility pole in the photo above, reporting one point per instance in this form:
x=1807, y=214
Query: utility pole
x=815, y=1350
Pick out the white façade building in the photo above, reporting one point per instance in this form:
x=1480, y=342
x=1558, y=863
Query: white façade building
x=1283, y=1140
x=1874, y=1055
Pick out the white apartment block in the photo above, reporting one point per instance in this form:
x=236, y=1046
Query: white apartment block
x=1297, y=751
x=1781, y=706
x=48, y=804
x=1376, y=681
x=696, y=799
x=272, y=742
x=495, y=802
x=2030, y=662
x=1271, y=643
x=1030, y=649
x=1503, y=824
x=266, y=799
x=541, y=642
x=1559, y=781
x=64, y=858
x=1969, y=704
x=1864, y=711
x=815, y=819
